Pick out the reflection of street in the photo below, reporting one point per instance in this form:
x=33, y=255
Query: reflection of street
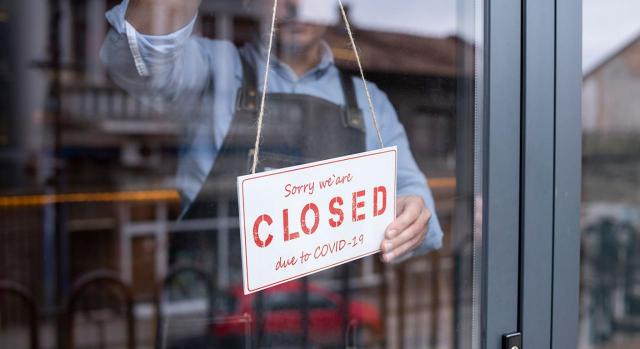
x=113, y=333
x=416, y=314
x=610, y=297
x=633, y=342
x=423, y=314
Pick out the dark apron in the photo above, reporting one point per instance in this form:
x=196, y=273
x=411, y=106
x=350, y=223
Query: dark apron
x=296, y=129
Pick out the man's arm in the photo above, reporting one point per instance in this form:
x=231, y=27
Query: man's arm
x=150, y=53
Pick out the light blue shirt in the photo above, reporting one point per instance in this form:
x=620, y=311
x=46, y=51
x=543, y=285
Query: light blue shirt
x=199, y=78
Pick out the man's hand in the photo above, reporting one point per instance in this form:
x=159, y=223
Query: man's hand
x=408, y=230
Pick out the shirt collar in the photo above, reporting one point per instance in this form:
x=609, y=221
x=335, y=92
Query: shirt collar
x=259, y=53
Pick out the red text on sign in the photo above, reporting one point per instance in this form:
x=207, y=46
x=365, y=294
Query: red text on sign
x=310, y=215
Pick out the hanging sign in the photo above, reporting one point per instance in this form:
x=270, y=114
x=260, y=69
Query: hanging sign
x=299, y=220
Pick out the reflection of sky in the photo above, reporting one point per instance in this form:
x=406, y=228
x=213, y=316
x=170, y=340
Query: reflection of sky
x=423, y=17
x=607, y=26
x=431, y=17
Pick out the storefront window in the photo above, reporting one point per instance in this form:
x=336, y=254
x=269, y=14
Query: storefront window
x=123, y=127
x=610, y=286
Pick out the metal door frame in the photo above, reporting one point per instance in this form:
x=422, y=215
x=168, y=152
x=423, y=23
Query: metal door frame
x=531, y=172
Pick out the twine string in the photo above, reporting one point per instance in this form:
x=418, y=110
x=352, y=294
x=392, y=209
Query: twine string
x=364, y=81
x=264, y=88
x=345, y=18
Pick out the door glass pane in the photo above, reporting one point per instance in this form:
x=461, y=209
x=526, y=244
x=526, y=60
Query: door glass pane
x=123, y=127
x=610, y=264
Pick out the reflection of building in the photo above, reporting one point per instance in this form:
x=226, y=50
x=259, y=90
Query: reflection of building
x=112, y=143
x=104, y=129
x=419, y=76
x=611, y=124
x=610, y=103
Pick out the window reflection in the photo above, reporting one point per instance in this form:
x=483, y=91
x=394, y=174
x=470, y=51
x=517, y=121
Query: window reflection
x=92, y=188
x=610, y=296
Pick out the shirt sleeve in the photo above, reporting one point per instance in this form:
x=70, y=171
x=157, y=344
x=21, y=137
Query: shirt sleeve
x=411, y=181
x=161, y=70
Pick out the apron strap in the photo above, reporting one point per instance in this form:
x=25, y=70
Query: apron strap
x=353, y=114
x=349, y=90
x=247, y=99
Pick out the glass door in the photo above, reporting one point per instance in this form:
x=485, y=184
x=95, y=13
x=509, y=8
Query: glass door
x=125, y=124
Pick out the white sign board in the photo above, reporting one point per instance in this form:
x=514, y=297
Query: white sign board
x=299, y=220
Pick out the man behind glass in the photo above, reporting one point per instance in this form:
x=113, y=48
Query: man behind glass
x=151, y=53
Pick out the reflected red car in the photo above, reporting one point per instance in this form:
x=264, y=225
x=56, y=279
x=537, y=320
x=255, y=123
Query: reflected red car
x=283, y=316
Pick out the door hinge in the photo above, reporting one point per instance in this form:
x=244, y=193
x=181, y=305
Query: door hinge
x=512, y=341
